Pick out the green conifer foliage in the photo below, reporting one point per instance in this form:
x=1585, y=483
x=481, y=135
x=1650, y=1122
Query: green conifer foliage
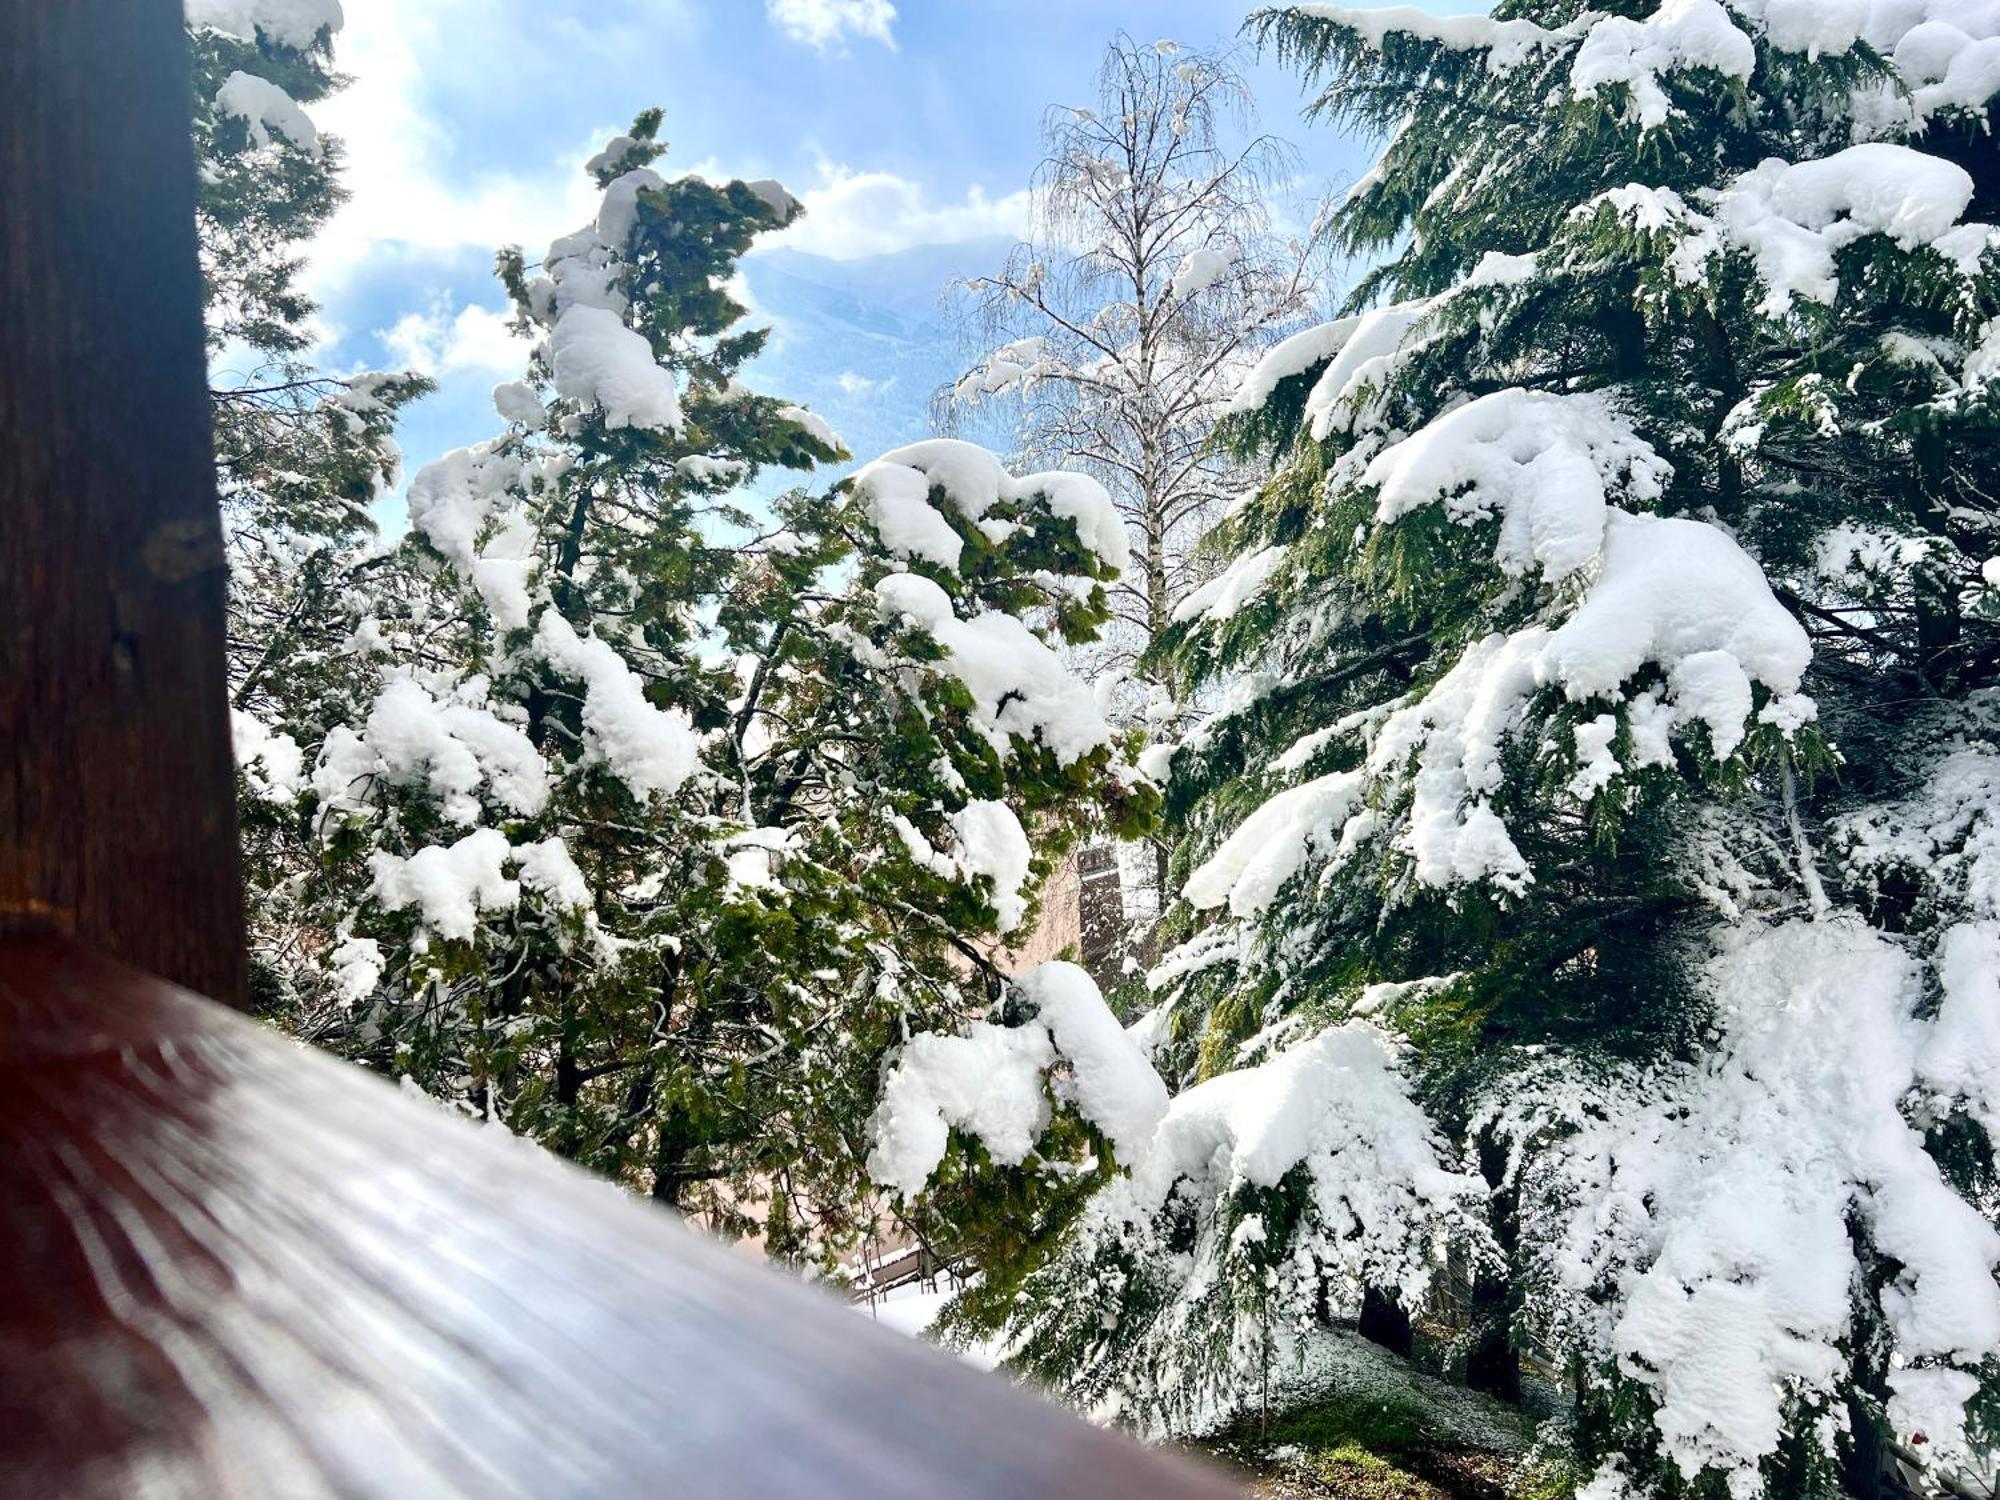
x=1606, y=762
x=301, y=456
x=669, y=812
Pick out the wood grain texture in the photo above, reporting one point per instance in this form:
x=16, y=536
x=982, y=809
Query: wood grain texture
x=236, y=1268
x=117, y=817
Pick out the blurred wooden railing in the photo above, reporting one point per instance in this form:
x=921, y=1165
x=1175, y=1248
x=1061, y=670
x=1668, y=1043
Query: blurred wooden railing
x=230, y=1267
x=233, y=1267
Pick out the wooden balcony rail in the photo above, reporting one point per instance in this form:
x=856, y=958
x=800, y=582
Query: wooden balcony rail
x=230, y=1267
x=234, y=1267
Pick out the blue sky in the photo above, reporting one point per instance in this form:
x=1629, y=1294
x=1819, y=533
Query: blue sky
x=900, y=123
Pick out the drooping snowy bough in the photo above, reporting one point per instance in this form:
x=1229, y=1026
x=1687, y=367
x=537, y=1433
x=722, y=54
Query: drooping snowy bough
x=1591, y=875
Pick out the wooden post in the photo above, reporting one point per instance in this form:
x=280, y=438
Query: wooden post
x=117, y=792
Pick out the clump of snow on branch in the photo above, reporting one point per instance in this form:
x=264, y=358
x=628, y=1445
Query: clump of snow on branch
x=1199, y=270
x=992, y=1082
x=1669, y=594
x=451, y=502
x=452, y=885
x=1695, y=1225
x=1110, y=1082
x=1944, y=54
x=266, y=108
x=1543, y=464
x=272, y=763
x=988, y=843
x=516, y=402
x=600, y=362
x=1330, y=1118
x=1224, y=595
x=1507, y=44
x=452, y=748
x=1020, y=687
x=1681, y=34
x=1793, y=218
x=1338, y=1106
x=1273, y=843
x=897, y=490
x=993, y=844
x=356, y=965
x=649, y=748
x=1361, y=353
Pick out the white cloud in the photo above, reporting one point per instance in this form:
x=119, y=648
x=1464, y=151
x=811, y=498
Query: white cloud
x=439, y=343
x=405, y=195
x=857, y=386
x=824, y=23
x=851, y=214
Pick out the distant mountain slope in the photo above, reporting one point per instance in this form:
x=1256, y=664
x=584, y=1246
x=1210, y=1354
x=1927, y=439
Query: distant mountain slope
x=863, y=342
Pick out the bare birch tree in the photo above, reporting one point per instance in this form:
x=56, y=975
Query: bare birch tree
x=1116, y=336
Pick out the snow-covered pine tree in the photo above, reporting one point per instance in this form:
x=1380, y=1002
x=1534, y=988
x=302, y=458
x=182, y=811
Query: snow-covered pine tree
x=663, y=824
x=300, y=455
x=1114, y=339
x=1602, y=843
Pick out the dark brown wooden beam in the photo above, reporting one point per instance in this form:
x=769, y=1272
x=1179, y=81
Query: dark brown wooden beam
x=237, y=1268
x=117, y=808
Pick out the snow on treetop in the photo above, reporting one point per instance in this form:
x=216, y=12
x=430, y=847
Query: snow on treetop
x=290, y=23
x=1945, y=53
x=775, y=195
x=598, y=360
x=1507, y=44
x=1680, y=34
x=896, y=491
